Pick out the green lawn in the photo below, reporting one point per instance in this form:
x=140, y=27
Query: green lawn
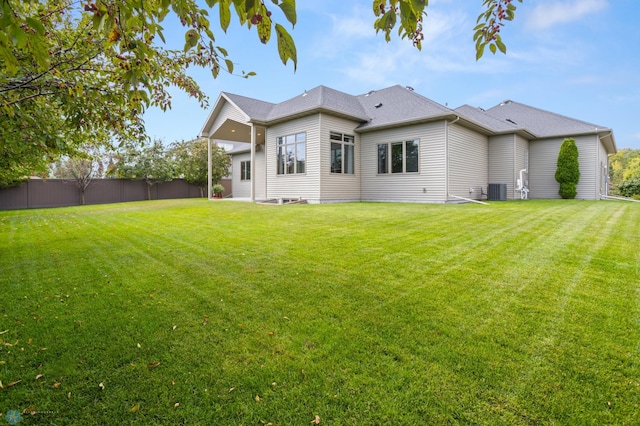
x=228, y=313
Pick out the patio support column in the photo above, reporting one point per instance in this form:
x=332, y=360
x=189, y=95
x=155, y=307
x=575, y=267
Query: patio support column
x=253, y=162
x=209, y=167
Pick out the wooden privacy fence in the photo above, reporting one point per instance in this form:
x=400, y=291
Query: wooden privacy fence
x=40, y=193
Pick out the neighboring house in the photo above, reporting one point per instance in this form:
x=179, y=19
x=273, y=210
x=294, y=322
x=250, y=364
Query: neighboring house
x=395, y=145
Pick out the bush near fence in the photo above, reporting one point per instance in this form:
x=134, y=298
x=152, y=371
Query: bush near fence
x=41, y=193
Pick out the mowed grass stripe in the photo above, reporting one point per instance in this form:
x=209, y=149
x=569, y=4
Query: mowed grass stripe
x=514, y=313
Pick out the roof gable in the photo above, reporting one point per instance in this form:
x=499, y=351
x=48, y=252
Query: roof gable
x=253, y=108
x=317, y=99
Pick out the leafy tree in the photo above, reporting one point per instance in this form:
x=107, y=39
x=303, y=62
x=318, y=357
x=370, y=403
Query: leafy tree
x=191, y=162
x=568, y=169
x=80, y=169
x=623, y=165
x=74, y=71
x=88, y=164
x=149, y=163
x=632, y=170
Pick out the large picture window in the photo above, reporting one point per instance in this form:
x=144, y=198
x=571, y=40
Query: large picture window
x=245, y=170
x=398, y=157
x=292, y=154
x=342, y=153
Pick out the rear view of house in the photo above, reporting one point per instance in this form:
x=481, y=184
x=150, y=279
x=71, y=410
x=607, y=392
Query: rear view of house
x=396, y=145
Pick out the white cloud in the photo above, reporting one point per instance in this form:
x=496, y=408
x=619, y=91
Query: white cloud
x=551, y=13
x=343, y=31
x=447, y=48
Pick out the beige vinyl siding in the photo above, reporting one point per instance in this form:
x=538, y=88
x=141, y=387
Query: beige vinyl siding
x=227, y=112
x=337, y=186
x=468, y=162
x=501, y=162
x=589, y=169
x=307, y=185
x=240, y=188
x=543, y=160
x=543, y=157
x=428, y=185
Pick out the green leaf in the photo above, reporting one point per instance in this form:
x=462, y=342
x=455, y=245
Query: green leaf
x=19, y=37
x=241, y=11
x=479, y=50
x=36, y=25
x=419, y=6
x=501, y=45
x=264, y=27
x=161, y=35
x=225, y=14
x=191, y=38
x=286, y=46
x=289, y=9
x=376, y=6
x=229, y=65
x=492, y=47
x=389, y=20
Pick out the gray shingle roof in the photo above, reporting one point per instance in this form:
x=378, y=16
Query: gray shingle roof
x=255, y=109
x=318, y=98
x=541, y=123
x=391, y=106
x=398, y=105
x=481, y=117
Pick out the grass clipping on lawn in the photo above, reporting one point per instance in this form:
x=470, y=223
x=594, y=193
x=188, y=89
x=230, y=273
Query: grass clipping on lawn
x=187, y=311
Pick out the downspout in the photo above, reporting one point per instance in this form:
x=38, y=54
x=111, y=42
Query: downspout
x=515, y=160
x=606, y=178
x=209, y=167
x=446, y=153
x=613, y=197
x=253, y=162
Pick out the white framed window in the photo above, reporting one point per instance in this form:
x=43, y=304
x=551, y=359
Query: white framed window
x=398, y=157
x=342, y=153
x=291, y=152
x=245, y=170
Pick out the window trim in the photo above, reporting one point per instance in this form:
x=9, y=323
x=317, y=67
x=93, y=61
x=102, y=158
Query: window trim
x=245, y=173
x=344, y=140
x=294, y=140
x=387, y=148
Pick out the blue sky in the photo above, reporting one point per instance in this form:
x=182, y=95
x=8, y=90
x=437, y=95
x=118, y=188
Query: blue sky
x=579, y=58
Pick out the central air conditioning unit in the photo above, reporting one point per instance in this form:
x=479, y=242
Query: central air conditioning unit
x=497, y=192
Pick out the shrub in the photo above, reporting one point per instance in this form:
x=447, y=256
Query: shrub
x=568, y=169
x=218, y=188
x=629, y=188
